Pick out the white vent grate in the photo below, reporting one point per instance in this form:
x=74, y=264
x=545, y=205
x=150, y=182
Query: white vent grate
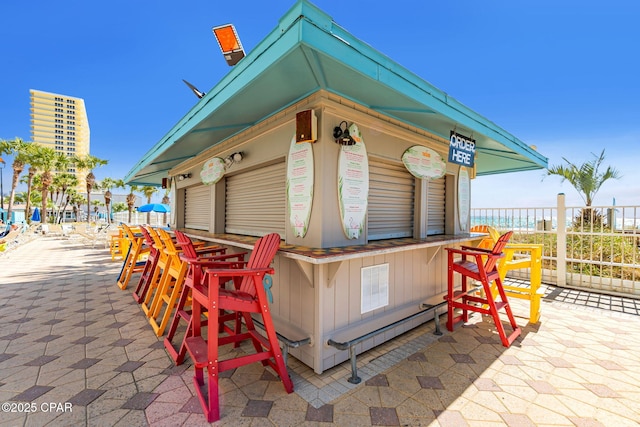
x=374, y=287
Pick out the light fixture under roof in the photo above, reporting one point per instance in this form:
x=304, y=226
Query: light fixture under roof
x=194, y=89
x=229, y=43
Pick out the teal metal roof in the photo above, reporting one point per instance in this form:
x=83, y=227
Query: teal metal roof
x=308, y=52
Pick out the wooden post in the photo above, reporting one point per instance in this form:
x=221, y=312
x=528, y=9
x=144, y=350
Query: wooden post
x=561, y=249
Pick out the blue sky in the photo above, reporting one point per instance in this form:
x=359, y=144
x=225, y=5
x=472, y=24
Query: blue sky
x=560, y=75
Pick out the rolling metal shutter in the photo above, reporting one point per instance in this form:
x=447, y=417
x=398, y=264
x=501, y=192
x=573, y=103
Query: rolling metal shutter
x=197, y=205
x=256, y=201
x=391, y=201
x=435, y=206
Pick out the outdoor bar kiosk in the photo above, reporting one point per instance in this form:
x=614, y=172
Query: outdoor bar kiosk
x=363, y=168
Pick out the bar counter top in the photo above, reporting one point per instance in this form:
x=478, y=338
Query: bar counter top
x=342, y=253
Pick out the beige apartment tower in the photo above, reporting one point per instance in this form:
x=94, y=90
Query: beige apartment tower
x=60, y=122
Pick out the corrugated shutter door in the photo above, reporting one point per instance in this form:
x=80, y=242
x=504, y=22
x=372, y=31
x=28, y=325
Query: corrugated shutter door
x=256, y=201
x=435, y=206
x=197, y=204
x=391, y=201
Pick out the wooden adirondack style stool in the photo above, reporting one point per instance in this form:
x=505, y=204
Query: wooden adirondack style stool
x=172, y=281
x=153, y=282
x=248, y=297
x=133, y=262
x=149, y=271
x=518, y=256
x=197, y=262
x=479, y=265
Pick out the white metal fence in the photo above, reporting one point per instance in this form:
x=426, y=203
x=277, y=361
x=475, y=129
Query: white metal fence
x=156, y=219
x=596, y=248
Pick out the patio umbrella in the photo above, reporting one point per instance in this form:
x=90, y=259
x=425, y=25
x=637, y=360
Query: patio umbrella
x=154, y=207
x=36, y=215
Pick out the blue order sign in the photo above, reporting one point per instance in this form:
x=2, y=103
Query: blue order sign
x=462, y=150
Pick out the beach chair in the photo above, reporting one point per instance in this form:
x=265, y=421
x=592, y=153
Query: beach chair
x=248, y=297
x=480, y=265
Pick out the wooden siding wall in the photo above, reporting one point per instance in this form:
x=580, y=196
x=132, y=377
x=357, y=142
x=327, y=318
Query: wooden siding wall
x=294, y=302
x=413, y=277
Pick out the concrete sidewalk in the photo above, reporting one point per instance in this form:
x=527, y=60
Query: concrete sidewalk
x=76, y=350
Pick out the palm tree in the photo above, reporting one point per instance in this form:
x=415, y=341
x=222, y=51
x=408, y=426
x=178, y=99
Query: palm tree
x=19, y=149
x=96, y=207
x=586, y=179
x=45, y=159
x=77, y=200
x=107, y=184
x=89, y=163
x=165, y=200
x=131, y=200
x=63, y=183
x=149, y=191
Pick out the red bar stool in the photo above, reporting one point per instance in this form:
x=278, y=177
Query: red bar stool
x=248, y=297
x=479, y=265
x=197, y=262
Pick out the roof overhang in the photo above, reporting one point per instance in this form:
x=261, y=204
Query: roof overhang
x=309, y=52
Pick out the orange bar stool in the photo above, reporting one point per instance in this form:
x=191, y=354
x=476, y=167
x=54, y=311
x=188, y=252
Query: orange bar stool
x=472, y=265
x=171, y=282
x=149, y=271
x=157, y=273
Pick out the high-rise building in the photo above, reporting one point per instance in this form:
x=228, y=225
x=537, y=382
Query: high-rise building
x=60, y=122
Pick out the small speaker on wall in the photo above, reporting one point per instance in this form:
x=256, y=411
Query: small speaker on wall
x=306, y=126
x=165, y=183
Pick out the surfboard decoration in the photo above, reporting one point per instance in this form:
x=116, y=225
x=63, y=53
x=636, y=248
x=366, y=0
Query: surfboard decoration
x=172, y=203
x=353, y=184
x=300, y=185
x=212, y=171
x=464, y=197
x=423, y=162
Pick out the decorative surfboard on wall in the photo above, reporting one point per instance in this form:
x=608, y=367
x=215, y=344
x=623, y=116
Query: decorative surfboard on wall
x=300, y=185
x=212, y=170
x=172, y=203
x=353, y=184
x=423, y=162
x=464, y=197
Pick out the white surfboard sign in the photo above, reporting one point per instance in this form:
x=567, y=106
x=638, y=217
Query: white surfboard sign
x=423, y=162
x=212, y=170
x=353, y=184
x=300, y=185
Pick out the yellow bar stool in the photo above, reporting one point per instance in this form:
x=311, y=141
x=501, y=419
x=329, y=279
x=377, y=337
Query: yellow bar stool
x=134, y=261
x=518, y=256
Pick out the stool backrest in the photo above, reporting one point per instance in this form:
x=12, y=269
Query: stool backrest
x=264, y=250
x=490, y=265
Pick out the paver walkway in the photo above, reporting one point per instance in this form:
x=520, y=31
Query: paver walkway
x=76, y=350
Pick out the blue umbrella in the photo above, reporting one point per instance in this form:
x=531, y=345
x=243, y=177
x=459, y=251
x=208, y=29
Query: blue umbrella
x=154, y=207
x=36, y=215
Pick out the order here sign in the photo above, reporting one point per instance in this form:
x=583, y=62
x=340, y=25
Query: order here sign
x=462, y=150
